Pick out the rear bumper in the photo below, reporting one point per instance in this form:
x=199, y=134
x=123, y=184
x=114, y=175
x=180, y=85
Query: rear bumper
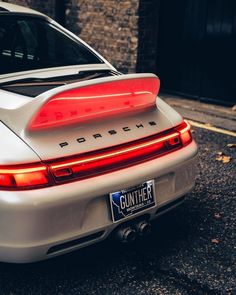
x=43, y=223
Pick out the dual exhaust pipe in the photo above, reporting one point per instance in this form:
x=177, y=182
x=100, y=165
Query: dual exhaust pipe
x=128, y=234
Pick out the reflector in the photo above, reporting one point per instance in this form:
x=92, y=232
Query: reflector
x=97, y=101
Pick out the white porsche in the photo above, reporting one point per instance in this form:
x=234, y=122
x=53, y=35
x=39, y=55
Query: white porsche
x=85, y=151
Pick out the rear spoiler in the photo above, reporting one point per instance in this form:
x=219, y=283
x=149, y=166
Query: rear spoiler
x=85, y=101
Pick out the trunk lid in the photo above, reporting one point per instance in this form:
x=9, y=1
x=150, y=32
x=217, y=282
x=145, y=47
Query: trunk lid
x=88, y=135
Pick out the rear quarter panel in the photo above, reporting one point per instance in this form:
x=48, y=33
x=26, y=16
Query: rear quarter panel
x=13, y=150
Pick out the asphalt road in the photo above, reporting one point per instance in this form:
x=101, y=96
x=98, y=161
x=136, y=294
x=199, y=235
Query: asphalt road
x=190, y=251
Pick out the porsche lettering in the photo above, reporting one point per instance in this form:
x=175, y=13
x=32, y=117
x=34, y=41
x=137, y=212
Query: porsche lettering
x=110, y=132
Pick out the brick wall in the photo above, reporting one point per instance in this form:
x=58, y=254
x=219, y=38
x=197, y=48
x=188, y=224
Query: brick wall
x=148, y=35
x=123, y=31
x=111, y=27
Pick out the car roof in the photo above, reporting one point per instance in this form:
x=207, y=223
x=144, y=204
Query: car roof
x=7, y=7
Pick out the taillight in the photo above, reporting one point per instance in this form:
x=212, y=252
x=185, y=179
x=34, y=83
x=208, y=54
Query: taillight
x=115, y=158
x=23, y=176
x=20, y=177
x=185, y=133
x=97, y=101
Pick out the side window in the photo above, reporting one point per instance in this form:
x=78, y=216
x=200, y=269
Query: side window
x=18, y=45
x=23, y=43
x=29, y=34
x=59, y=49
x=5, y=36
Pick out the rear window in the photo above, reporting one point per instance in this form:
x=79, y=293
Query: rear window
x=28, y=43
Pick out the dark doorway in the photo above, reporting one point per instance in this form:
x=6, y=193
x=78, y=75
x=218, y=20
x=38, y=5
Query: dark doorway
x=197, y=49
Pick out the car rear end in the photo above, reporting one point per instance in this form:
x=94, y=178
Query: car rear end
x=86, y=158
x=56, y=193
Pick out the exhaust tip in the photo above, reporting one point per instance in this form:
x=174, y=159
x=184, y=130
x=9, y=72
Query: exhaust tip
x=143, y=228
x=126, y=235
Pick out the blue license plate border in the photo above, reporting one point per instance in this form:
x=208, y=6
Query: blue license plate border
x=119, y=213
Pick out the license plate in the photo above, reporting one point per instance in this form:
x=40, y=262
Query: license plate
x=128, y=202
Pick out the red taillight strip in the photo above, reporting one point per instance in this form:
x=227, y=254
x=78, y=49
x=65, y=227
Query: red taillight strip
x=118, y=152
x=122, y=156
x=20, y=170
x=39, y=175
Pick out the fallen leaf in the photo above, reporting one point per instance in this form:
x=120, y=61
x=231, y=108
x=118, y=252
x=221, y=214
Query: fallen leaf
x=226, y=159
x=217, y=215
x=222, y=158
x=231, y=145
x=215, y=241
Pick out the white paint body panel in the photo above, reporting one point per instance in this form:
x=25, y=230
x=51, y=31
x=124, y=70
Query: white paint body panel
x=34, y=221
x=19, y=9
x=13, y=150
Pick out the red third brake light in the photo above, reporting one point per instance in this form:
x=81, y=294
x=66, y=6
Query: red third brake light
x=97, y=101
